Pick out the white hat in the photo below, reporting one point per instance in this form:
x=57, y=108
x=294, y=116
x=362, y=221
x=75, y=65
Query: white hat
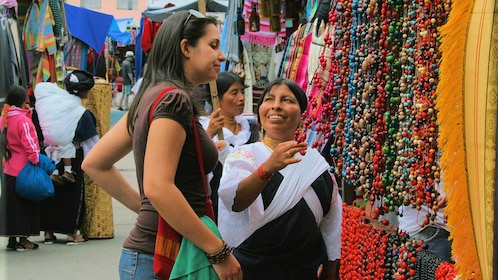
x=129, y=54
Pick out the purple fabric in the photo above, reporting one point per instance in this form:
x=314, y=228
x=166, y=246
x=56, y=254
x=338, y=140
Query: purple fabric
x=8, y=3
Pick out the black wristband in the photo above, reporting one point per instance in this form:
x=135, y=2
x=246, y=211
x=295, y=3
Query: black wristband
x=221, y=255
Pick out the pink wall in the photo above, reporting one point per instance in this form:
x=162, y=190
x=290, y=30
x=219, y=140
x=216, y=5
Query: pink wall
x=110, y=7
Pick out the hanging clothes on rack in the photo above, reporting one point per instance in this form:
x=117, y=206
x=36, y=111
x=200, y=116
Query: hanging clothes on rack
x=13, y=62
x=39, y=38
x=231, y=40
x=76, y=54
x=149, y=33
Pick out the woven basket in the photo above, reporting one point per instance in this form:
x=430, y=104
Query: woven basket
x=98, y=221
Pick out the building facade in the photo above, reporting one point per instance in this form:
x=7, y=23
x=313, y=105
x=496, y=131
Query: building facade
x=117, y=8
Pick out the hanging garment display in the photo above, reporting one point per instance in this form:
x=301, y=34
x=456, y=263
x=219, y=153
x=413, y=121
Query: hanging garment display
x=265, y=35
x=39, y=39
x=13, y=61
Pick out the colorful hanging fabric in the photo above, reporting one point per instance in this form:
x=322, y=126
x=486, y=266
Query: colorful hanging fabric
x=38, y=33
x=466, y=106
x=311, y=7
x=46, y=27
x=264, y=36
x=148, y=33
x=58, y=19
x=39, y=38
x=31, y=27
x=299, y=71
x=75, y=54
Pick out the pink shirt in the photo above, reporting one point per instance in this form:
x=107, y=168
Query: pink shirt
x=22, y=141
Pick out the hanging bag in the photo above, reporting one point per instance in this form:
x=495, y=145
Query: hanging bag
x=168, y=240
x=33, y=182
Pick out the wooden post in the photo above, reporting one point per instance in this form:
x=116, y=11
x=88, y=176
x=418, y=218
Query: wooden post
x=212, y=85
x=202, y=6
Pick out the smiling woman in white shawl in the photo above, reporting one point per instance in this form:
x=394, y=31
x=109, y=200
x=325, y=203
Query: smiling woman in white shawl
x=278, y=208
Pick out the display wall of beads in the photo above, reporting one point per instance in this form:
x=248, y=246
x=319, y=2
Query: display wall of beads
x=378, y=104
x=374, y=250
x=373, y=96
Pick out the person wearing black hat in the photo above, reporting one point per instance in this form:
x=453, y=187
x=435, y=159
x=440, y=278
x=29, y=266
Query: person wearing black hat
x=69, y=132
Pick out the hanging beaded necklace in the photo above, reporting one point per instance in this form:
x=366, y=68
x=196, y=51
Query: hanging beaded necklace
x=376, y=92
x=424, y=139
x=364, y=240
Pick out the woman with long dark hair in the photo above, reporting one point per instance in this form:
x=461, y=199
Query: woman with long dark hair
x=161, y=131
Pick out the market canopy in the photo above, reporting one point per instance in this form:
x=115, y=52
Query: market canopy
x=93, y=27
x=118, y=30
x=158, y=15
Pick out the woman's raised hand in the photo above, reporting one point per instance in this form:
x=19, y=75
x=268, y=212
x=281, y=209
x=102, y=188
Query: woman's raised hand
x=283, y=155
x=215, y=123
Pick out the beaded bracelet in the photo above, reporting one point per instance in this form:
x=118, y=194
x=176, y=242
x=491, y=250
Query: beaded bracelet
x=221, y=255
x=263, y=175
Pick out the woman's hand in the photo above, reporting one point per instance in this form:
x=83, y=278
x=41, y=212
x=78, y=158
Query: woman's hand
x=220, y=145
x=228, y=269
x=216, y=123
x=283, y=155
x=250, y=187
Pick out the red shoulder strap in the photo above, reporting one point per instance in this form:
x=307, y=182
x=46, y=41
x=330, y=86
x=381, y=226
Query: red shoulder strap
x=158, y=98
x=209, y=203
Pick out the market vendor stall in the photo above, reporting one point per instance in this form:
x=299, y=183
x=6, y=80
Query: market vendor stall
x=396, y=83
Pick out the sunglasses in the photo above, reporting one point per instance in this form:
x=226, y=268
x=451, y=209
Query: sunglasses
x=194, y=13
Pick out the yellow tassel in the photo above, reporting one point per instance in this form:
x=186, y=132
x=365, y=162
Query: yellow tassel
x=449, y=103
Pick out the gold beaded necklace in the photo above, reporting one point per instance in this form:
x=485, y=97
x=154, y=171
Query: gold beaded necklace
x=270, y=142
x=229, y=122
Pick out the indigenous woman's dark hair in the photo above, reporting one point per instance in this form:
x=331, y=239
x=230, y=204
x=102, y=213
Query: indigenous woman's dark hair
x=224, y=81
x=295, y=88
x=16, y=96
x=165, y=62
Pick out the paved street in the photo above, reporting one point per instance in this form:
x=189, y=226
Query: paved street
x=95, y=259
